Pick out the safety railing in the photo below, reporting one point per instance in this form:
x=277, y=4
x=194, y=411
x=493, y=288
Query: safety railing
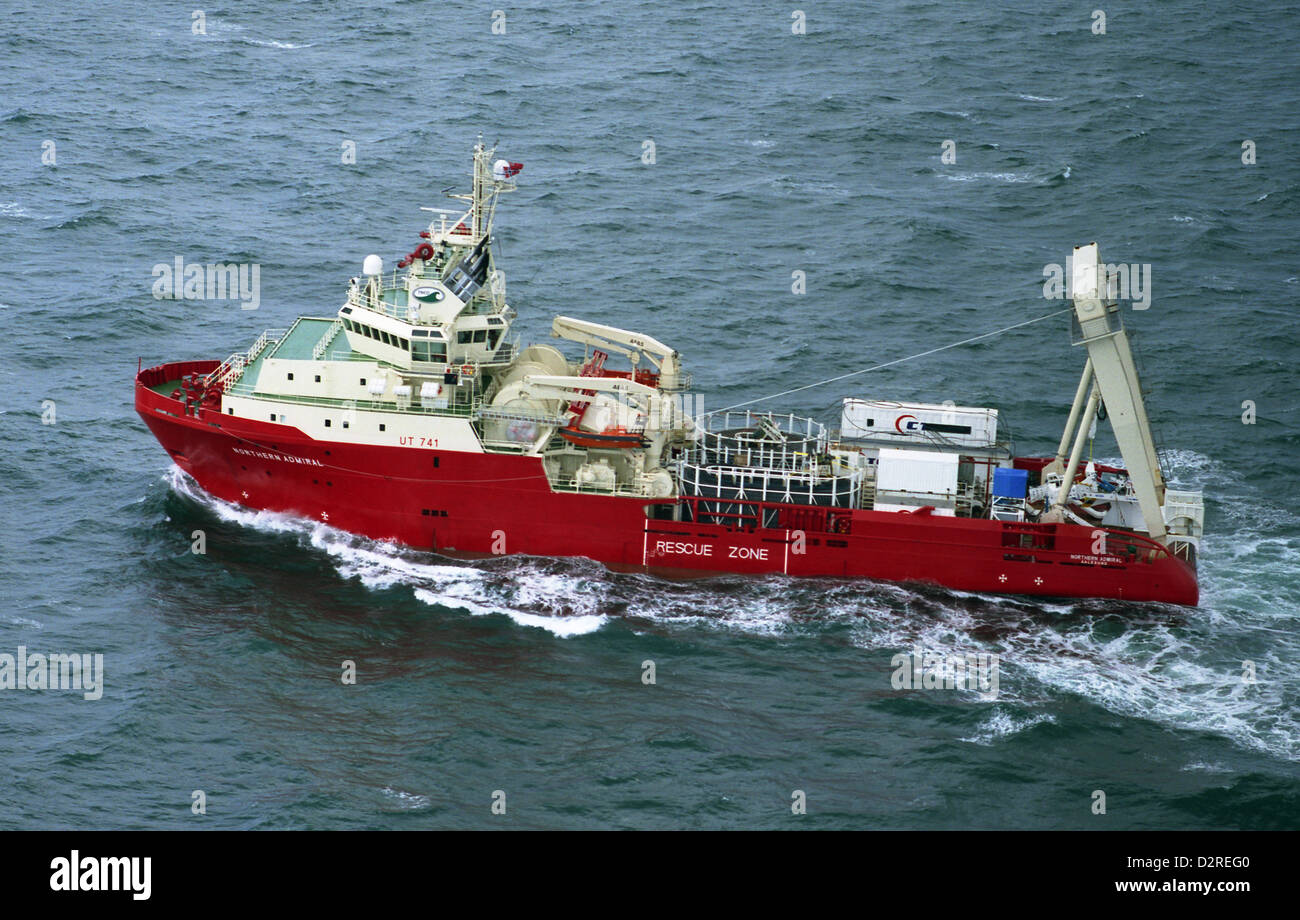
x=231, y=369
x=759, y=440
x=458, y=410
x=737, y=483
x=318, y=351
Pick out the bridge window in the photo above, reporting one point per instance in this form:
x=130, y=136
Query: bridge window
x=429, y=351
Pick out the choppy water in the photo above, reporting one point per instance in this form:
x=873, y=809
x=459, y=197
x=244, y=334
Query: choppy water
x=774, y=153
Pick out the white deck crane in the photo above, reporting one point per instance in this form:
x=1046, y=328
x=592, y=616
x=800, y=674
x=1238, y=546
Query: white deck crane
x=1110, y=376
x=632, y=344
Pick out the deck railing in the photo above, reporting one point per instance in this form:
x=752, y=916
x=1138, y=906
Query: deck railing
x=370, y=298
x=232, y=369
x=318, y=351
x=759, y=440
x=458, y=410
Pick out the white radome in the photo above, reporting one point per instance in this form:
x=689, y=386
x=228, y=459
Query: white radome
x=373, y=265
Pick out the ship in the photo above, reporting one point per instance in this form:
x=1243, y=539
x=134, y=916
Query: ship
x=413, y=415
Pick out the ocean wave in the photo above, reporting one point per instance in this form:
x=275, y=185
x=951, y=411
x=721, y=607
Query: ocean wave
x=406, y=801
x=1001, y=724
x=987, y=176
x=272, y=43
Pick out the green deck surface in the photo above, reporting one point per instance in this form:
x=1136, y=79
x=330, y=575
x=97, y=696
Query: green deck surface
x=297, y=345
x=302, y=338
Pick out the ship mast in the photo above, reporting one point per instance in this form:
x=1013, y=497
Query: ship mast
x=488, y=182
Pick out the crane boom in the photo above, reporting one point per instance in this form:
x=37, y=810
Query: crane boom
x=630, y=344
x=1115, y=374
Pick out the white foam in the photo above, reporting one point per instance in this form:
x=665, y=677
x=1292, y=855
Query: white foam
x=271, y=43
x=378, y=565
x=1202, y=767
x=564, y=627
x=410, y=800
x=976, y=177
x=1001, y=724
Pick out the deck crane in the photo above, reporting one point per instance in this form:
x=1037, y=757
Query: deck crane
x=1173, y=518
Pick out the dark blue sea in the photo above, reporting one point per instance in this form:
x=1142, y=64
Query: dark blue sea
x=128, y=140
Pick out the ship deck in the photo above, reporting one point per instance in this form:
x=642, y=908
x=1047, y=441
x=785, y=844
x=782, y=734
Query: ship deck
x=166, y=387
x=298, y=344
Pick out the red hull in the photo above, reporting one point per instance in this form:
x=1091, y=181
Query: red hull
x=479, y=504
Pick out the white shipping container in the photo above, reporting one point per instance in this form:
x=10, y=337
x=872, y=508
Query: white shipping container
x=907, y=479
x=919, y=423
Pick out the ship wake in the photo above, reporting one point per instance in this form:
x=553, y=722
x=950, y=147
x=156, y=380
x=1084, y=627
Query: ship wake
x=1176, y=668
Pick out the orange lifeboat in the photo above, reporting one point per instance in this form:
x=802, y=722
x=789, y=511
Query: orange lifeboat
x=610, y=437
